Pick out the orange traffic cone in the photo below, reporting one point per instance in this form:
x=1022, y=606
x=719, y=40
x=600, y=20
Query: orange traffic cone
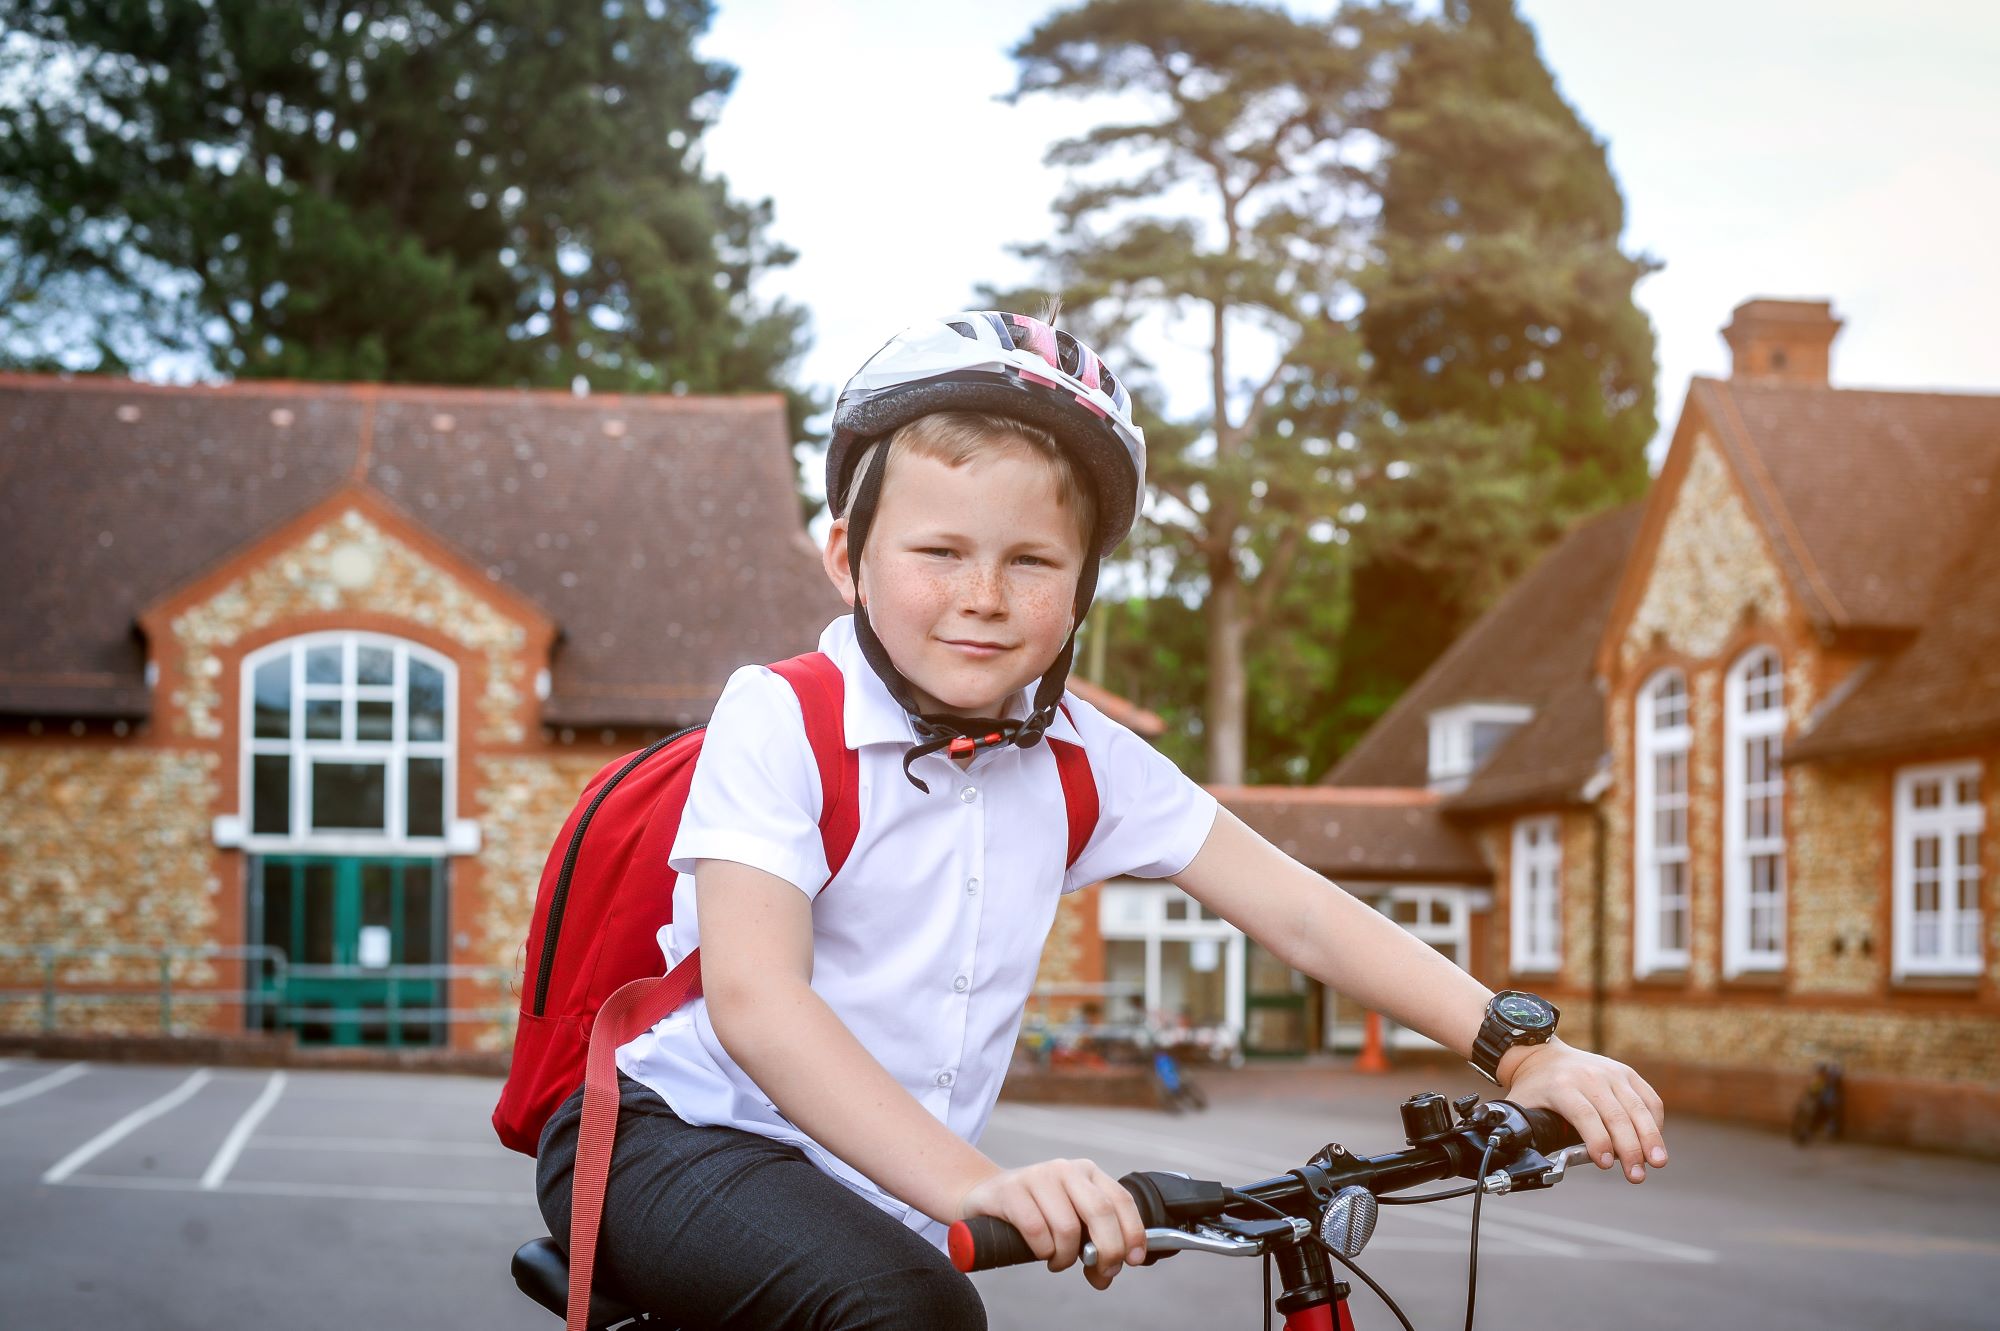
x=1371, y=1059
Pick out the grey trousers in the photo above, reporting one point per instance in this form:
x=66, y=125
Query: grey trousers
x=716, y=1227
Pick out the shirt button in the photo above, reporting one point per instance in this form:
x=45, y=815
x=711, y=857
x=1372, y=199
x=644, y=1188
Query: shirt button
x=972, y=887
x=961, y=984
x=945, y=1078
x=969, y=794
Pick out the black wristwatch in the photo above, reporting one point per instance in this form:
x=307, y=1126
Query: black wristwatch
x=1513, y=1017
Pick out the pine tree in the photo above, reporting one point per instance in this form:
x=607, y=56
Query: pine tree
x=1237, y=193
x=459, y=191
x=1513, y=371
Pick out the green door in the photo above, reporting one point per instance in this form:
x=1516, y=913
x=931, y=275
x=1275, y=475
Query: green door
x=350, y=928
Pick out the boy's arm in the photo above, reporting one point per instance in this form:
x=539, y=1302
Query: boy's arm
x=756, y=974
x=1316, y=927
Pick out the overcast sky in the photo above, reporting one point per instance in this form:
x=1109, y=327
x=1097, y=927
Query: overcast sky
x=1824, y=148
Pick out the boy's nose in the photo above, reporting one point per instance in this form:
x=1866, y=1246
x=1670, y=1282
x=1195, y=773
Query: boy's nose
x=982, y=591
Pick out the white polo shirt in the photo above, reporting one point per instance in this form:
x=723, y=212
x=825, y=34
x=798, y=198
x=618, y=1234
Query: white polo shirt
x=927, y=944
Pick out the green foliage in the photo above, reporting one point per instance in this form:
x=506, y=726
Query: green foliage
x=1410, y=212
x=1234, y=193
x=1514, y=372
x=486, y=191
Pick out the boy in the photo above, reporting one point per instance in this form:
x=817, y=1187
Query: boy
x=792, y=1145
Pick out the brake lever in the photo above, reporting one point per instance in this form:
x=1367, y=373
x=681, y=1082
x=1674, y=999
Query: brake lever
x=1225, y=1238
x=1527, y=1172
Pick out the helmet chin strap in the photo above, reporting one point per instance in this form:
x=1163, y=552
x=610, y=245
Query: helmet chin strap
x=962, y=736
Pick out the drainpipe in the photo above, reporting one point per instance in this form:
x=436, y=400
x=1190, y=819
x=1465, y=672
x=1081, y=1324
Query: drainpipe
x=1593, y=794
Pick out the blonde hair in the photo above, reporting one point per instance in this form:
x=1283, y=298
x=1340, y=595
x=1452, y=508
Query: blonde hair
x=957, y=437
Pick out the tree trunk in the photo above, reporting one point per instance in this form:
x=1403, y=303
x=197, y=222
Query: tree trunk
x=1223, y=715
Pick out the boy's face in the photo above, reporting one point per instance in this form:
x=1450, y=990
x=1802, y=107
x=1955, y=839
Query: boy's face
x=969, y=576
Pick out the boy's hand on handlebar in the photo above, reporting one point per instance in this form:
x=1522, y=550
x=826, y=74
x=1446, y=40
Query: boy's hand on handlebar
x=1612, y=1108
x=1057, y=1205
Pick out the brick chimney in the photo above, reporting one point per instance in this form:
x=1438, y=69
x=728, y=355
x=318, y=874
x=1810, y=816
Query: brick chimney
x=1781, y=341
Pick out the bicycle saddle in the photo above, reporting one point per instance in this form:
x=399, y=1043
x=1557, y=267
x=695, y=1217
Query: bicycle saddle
x=541, y=1269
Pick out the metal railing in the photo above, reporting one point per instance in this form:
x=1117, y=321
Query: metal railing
x=168, y=986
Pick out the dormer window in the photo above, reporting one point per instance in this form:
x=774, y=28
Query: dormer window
x=1464, y=737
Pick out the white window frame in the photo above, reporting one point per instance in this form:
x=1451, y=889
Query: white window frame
x=393, y=753
x=1741, y=728
x=1535, y=895
x=1648, y=744
x=1135, y=910
x=1450, y=766
x=1947, y=822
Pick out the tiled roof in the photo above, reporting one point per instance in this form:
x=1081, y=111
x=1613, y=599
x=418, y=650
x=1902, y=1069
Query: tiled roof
x=1882, y=507
x=1150, y=725
x=1942, y=689
x=1534, y=646
x=1355, y=835
x=1869, y=497
x=662, y=534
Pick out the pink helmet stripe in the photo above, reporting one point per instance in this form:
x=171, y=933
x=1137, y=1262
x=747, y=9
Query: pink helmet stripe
x=1041, y=339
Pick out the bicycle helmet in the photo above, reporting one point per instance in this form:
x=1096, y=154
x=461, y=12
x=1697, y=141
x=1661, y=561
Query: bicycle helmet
x=1008, y=365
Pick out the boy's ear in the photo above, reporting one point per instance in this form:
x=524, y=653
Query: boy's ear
x=834, y=560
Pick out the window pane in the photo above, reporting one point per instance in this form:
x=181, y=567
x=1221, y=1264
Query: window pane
x=319, y=910
x=426, y=701
x=426, y=797
x=1924, y=794
x=348, y=795
x=322, y=718
x=273, y=691
x=376, y=665
x=277, y=911
x=378, y=907
x=419, y=915
x=374, y=720
x=1968, y=790
x=271, y=794
x=323, y=665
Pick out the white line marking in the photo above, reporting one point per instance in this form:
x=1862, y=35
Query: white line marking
x=1488, y=1226
x=381, y=1146
x=344, y=1191
x=1646, y=1243
x=118, y=1131
x=232, y=1145
x=40, y=1084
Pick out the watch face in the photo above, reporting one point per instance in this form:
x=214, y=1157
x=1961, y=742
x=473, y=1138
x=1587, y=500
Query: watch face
x=1524, y=1010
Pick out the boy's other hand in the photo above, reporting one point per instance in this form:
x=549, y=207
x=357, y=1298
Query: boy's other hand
x=1056, y=1205
x=1612, y=1108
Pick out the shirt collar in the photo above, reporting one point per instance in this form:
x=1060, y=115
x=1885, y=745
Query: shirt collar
x=872, y=715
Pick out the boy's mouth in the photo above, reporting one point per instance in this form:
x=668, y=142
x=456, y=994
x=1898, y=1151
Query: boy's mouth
x=975, y=647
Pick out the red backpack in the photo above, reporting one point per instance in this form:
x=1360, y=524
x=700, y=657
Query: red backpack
x=593, y=980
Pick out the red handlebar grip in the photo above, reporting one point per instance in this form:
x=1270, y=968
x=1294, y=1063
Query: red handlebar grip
x=985, y=1242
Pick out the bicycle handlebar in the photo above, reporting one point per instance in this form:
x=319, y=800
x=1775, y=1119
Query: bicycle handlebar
x=1170, y=1205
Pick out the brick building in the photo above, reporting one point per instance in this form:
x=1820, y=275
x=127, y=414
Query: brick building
x=323, y=668
x=1731, y=753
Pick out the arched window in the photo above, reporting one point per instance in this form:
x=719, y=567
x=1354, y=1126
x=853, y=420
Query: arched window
x=1753, y=826
x=348, y=744
x=1660, y=852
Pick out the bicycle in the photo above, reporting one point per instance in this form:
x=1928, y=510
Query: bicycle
x=1822, y=1106
x=1327, y=1208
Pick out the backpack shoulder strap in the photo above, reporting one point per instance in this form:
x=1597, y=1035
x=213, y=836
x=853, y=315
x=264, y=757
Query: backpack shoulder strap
x=640, y=1005
x=1079, y=789
x=823, y=698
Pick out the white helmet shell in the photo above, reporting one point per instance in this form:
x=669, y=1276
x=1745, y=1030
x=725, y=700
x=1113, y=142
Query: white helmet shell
x=1010, y=365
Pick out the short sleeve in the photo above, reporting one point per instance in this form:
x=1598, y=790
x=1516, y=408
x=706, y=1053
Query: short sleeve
x=755, y=799
x=1152, y=819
